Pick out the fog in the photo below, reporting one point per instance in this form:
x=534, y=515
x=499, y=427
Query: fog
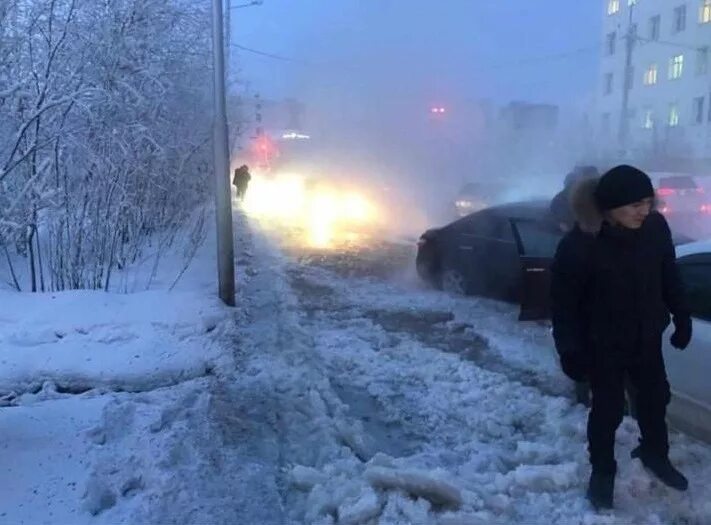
x=369, y=71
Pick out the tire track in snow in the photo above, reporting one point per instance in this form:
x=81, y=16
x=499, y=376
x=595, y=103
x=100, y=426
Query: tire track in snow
x=433, y=328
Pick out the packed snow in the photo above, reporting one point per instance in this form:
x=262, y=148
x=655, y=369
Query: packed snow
x=322, y=398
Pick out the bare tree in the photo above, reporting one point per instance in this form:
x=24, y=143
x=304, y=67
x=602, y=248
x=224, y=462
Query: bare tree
x=104, y=132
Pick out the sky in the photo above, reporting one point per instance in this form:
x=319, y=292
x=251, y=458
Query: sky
x=397, y=51
x=369, y=71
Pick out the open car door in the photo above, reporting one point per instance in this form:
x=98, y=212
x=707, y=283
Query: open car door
x=536, y=242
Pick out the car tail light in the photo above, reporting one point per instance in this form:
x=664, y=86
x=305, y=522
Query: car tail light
x=665, y=192
x=705, y=208
x=665, y=210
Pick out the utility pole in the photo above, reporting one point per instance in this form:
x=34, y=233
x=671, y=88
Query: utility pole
x=228, y=37
x=223, y=200
x=630, y=41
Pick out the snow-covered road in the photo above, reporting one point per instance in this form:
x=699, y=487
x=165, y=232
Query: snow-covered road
x=438, y=409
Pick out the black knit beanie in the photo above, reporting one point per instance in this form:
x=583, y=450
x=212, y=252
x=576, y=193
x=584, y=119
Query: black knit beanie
x=622, y=185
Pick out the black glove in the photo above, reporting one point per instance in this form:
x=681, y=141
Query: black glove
x=574, y=366
x=681, y=337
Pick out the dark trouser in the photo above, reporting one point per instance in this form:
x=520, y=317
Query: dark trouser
x=607, y=383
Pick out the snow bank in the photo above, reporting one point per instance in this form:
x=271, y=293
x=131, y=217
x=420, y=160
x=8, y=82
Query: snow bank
x=81, y=340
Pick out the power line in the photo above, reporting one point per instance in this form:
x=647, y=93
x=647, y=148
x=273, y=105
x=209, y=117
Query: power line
x=512, y=64
x=267, y=55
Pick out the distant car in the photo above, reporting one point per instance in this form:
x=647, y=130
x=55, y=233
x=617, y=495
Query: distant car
x=472, y=197
x=681, y=195
x=685, y=204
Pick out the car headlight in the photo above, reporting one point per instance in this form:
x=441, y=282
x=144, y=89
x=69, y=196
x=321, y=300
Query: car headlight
x=464, y=204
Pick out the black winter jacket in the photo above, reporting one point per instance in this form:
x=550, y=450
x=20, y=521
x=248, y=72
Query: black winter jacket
x=613, y=290
x=560, y=209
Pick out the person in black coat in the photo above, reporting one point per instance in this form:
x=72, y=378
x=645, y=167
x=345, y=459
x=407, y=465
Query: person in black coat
x=241, y=181
x=614, y=285
x=560, y=207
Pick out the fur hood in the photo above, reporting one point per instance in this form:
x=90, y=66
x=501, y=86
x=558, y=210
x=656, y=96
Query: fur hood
x=582, y=202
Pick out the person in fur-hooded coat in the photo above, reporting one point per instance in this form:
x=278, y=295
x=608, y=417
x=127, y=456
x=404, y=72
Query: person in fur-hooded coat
x=614, y=285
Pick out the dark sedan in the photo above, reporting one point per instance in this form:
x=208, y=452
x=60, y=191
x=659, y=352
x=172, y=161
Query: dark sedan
x=503, y=252
x=488, y=252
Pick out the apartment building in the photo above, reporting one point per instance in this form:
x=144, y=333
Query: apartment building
x=667, y=45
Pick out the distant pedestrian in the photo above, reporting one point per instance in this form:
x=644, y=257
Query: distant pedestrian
x=614, y=283
x=241, y=180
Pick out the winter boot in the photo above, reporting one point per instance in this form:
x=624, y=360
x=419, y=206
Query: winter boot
x=601, y=490
x=661, y=467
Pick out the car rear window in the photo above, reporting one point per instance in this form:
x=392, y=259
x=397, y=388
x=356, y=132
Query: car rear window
x=678, y=183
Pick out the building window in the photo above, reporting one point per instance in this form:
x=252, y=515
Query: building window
x=673, y=115
x=648, y=122
x=698, y=110
x=611, y=43
x=705, y=12
x=613, y=6
x=650, y=75
x=676, y=67
x=679, y=18
x=654, y=27
x=702, y=61
x=608, y=83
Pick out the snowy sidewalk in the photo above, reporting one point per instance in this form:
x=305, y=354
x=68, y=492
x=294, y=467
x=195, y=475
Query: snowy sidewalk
x=91, y=378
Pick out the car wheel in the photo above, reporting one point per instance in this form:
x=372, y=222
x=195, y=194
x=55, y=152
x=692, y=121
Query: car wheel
x=425, y=272
x=454, y=282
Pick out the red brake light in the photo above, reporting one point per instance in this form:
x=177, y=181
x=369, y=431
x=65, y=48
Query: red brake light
x=665, y=192
x=665, y=210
